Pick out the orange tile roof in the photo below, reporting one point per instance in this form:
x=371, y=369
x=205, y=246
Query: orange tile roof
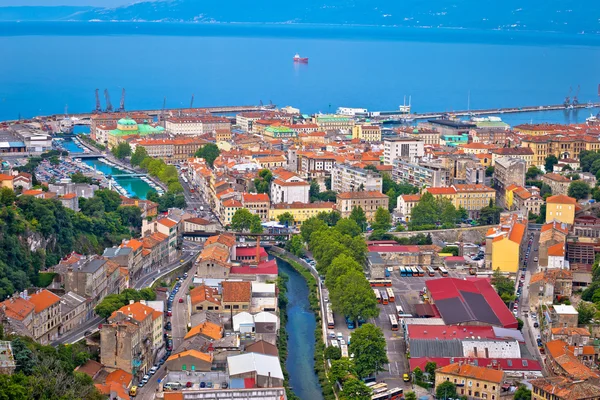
x=255, y=198
x=557, y=250
x=192, y=353
x=555, y=225
x=133, y=244
x=232, y=203
x=43, y=299
x=32, y=192
x=361, y=195
x=17, y=308
x=214, y=253
x=203, y=293
x=537, y=277
x=561, y=199
x=441, y=190
x=559, y=351
x=571, y=331
x=565, y=389
x=119, y=376
x=463, y=188
x=69, y=196
x=472, y=371
x=173, y=395
x=411, y=197
x=517, y=232
x=156, y=315
x=112, y=387
x=236, y=292
x=137, y=311
x=556, y=177
x=224, y=238
x=208, y=329
x=169, y=223
x=5, y=177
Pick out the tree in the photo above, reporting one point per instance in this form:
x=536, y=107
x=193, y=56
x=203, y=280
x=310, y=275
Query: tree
x=286, y=219
x=446, y=390
x=353, y=296
x=579, y=189
x=339, y=267
x=410, y=396
x=489, y=171
x=130, y=216
x=504, y=286
x=311, y=225
x=295, y=246
x=341, y=369
x=522, y=393
x=138, y=155
x=330, y=218
x=175, y=187
x=533, y=172
x=393, y=202
x=355, y=389
x=430, y=368
x=121, y=150
x=368, y=347
x=418, y=373
x=7, y=196
x=489, y=215
x=108, y=305
x=256, y=225
x=520, y=324
x=54, y=160
x=242, y=220
x=382, y=220
x=550, y=162
x=348, y=227
x=79, y=177
x=209, y=152
x=586, y=313
x=358, y=215
x=313, y=192
x=262, y=183
x=332, y=353
x=450, y=249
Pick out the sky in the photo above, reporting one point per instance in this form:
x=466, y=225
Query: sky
x=97, y=3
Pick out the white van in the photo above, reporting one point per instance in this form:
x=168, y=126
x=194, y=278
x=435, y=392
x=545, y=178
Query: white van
x=340, y=336
x=172, y=386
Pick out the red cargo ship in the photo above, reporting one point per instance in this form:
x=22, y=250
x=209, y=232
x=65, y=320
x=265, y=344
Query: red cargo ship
x=298, y=59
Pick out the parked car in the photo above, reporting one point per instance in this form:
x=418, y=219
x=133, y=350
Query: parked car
x=202, y=384
x=181, y=300
x=188, y=384
x=536, y=325
x=168, y=326
x=153, y=370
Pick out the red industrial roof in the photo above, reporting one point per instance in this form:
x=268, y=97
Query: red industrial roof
x=453, y=288
x=249, y=252
x=506, y=364
x=265, y=268
x=448, y=332
x=394, y=249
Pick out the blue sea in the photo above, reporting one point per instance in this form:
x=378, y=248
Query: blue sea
x=47, y=66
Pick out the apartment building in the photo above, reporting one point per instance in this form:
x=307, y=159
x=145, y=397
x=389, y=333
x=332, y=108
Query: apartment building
x=508, y=171
x=503, y=243
x=189, y=125
x=367, y=133
x=561, y=208
x=300, y=211
x=347, y=178
x=472, y=381
x=86, y=277
x=316, y=165
x=368, y=201
x=73, y=312
x=523, y=153
x=427, y=136
x=405, y=148
x=257, y=203
x=559, y=184
x=46, y=317
x=288, y=187
x=420, y=175
x=470, y=197
x=405, y=204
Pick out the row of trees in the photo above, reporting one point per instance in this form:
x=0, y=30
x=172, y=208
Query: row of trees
x=113, y=302
x=368, y=346
x=432, y=212
x=156, y=167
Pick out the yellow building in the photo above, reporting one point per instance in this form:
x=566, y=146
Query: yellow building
x=560, y=208
x=538, y=129
x=472, y=381
x=561, y=388
x=471, y=197
x=300, y=211
x=7, y=181
x=368, y=133
x=229, y=208
x=504, y=243
x=509, y=195
x=559, y=145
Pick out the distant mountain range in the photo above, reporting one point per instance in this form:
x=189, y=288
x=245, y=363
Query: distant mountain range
x=533, y=15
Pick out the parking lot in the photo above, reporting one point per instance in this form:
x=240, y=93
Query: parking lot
x=406, y=293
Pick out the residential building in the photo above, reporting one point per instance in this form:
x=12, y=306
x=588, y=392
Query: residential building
x=236, y=296
x=508, y=171
x=405, y=204
x=561, y=388
x=230, y=206
x=558, y=183
x=405, y=148
x=223, y=135
x=137, y=256
x=470, y=197
x=73, y=312
x=300, y=211
x=523, y=153
x=194, y=225
x=86, y=277
x=333, y=122
x=316, y=165
x=556, y=256
x=563, y=316
x=547, y=286
x=551, y=234
x=148, y=208
x=570, y=361
x=205, y=298
x=288, y=187
x=420, y=175
x=572, y=336
x=368, y=201
x=367, y=133
x=393, y=255
x=257, y=203
x=503, y=243
x=472, y=381
x=524, y=200
x=17, y=313
x=561, y=146
x=475, y=174
x=171, y=151
x=347, y=178
x=561, y=208
x=169, y=228
x=46, y=317
x=271, y=162
x=193, y=126
x=427, y=136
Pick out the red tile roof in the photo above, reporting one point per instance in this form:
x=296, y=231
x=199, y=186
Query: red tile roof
x=394, y=249
x=255, y=198
x=361, y=195
x=561, y=199
x=507, y=364
x=250, y=252
x=472, y=371
x=236, y=292
x=265, y=268
x=43, y=299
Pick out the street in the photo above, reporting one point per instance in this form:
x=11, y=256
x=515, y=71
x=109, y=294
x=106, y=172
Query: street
x=195, y=202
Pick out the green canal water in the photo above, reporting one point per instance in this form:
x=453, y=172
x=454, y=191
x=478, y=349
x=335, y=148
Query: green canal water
x=134, y=186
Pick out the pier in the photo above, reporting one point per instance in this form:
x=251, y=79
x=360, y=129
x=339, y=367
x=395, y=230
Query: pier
x=466, y=113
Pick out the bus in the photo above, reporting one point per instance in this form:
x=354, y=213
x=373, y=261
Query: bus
x=392, y=394
x=394, y=322
x=330, y=320
x=335, y=343
x=380, y=283
x=408, y=271
x=379, y=388
x=415, y=271
x=421, y=272
x=430, y=271
x=402, y=271
x=443, y=271
x=377, y=295
x=384, y=297
x=344, y=349
x=399, y=311
x=390, y=293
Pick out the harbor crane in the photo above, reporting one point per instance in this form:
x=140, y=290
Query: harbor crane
x=192, y=102
x=567, y=102
x=98, y=108
x=575, y=99
x=122, y=103
x=66, y=111
x=109, y=107
x=162, y=112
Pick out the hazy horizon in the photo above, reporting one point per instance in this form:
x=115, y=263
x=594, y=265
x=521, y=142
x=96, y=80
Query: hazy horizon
x=95, y=3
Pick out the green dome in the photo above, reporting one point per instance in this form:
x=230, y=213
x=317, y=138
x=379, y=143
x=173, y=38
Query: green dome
x=126, y=121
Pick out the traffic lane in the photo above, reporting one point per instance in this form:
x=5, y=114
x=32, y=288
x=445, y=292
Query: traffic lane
x=79, y=333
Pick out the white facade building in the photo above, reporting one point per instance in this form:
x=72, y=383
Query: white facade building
x=347, y=178
x=184, y=126
x=402, y=147
x=287, y=187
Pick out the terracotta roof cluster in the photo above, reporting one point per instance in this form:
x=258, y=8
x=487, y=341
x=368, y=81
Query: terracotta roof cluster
x=556, y=177
x=559, y=226
x=204, y=293
x=565, y=389
x=561, y=199
x=564, y=357
x=207, y=329
x=236, y=292
x=224, y=239
x=192, y=353
x=136, y=311
x=255, y=198
x=472, y=371
x=17, y=308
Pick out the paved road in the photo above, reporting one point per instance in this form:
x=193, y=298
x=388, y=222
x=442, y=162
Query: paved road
x=195, y=202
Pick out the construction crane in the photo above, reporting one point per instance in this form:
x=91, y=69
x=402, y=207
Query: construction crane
x=98, y=108
x=567, y=102
x=162, y=112
x=122, y=102
x=109, y=107
x=192, y=102
x=575, y=99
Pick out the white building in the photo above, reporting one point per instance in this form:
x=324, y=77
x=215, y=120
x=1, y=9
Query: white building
x=405, y=148
x=347, y=178
x=287, y=187
x=184, y=126
x=405, y=204
x=556, y=257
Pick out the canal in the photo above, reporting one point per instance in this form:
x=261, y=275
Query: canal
x=134, y=186
x=300, y=327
